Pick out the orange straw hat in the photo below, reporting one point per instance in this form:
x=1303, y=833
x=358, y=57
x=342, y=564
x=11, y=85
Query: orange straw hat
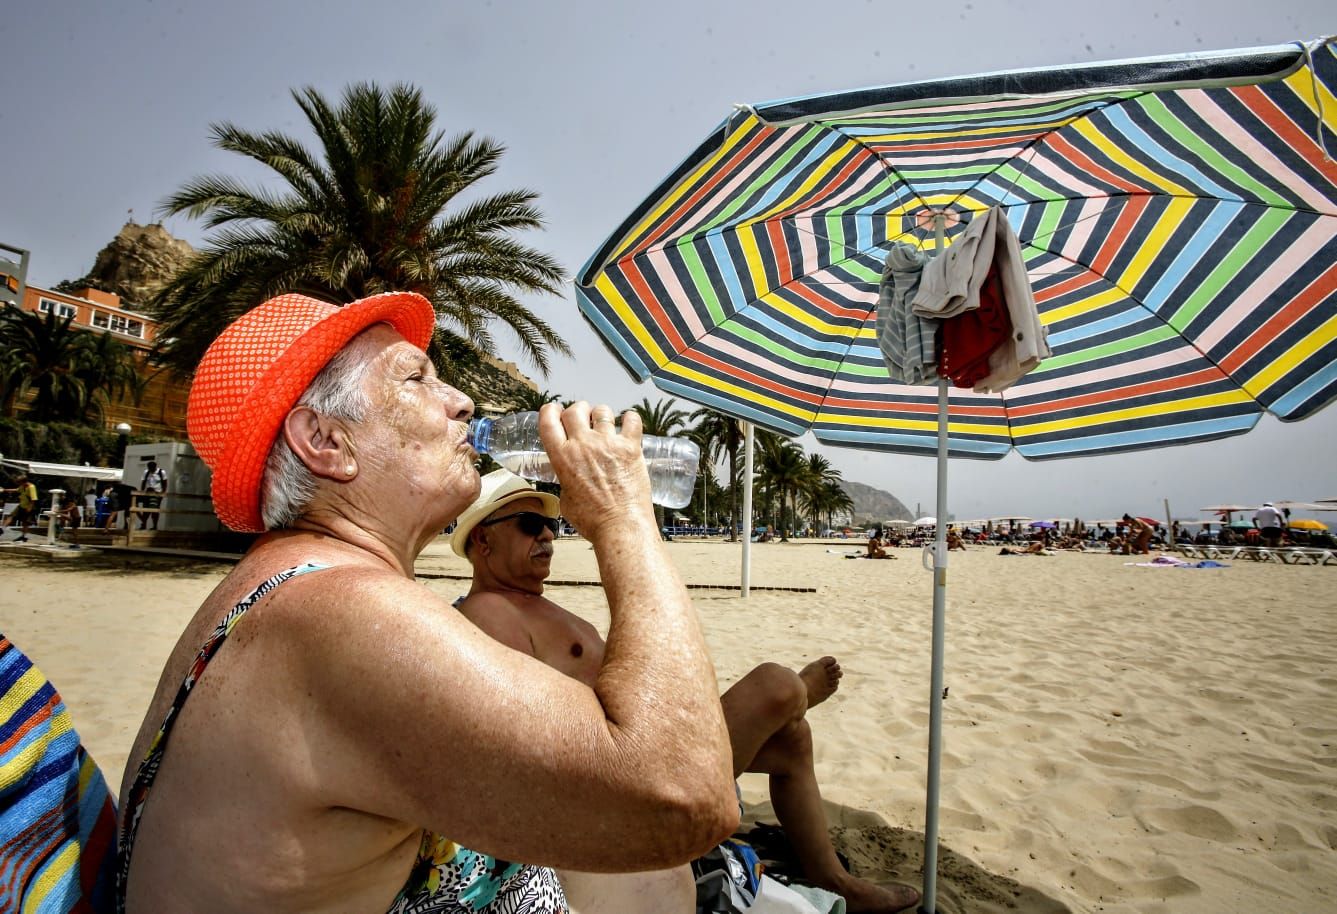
x=253, y=374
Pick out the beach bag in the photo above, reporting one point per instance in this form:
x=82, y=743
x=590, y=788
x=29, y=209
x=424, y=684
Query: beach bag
x=727, y=878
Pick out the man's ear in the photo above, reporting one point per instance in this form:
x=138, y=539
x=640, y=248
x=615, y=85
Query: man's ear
x=478, y=536
x=321, y=443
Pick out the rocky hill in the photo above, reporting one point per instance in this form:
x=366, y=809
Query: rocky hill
x=873, y=505
x=138, y=260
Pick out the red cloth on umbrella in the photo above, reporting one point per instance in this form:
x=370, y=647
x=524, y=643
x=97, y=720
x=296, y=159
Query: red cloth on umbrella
x=966, y=340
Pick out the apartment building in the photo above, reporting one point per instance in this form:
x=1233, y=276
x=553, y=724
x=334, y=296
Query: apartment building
x=161, y=409
x=95, y=310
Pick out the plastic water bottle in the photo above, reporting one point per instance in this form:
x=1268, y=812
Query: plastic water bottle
x=513, y=441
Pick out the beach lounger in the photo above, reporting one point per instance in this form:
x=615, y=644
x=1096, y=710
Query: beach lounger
x=1265, y=554
x=1193, y=551
x=1304, y=555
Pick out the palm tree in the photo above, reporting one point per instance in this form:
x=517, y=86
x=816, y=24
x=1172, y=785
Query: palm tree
x=43, y=353
x=698, y=505
x=662, y=418
x=784, y=471
x=763, y=492
x=827, y=499
x=12, y=369
x=717, y=432
x=108, y=370
x=706, y=495
x=364, y=213
x=820, y=472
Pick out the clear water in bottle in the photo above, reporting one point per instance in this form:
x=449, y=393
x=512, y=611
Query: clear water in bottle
x=672, y=463
x=529, y=464
x=513, y=441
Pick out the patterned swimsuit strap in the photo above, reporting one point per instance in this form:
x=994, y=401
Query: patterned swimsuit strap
x=148, y=768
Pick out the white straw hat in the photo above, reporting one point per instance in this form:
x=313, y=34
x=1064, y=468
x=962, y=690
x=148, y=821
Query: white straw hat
x=500, y=487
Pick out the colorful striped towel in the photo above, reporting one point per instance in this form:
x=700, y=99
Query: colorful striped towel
x=57, y=818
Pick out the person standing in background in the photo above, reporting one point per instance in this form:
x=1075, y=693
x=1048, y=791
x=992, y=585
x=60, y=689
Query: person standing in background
x=102, y=508
x=154, y=483
x=1270, y=523
x=71, y=517
x=26, y=512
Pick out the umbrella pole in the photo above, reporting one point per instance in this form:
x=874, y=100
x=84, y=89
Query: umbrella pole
x=928, y=903
x=747, y=508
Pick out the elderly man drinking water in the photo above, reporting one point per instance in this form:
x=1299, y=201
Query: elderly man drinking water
x=327, y=734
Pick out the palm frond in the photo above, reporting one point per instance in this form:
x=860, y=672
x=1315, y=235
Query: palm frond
x=373, y=206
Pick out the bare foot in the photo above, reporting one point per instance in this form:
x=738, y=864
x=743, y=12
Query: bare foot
x=861, y=895
x=822, y=677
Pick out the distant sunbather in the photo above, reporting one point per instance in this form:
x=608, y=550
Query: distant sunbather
x=1035, y=548
x=764, y=711
x=1139, y=536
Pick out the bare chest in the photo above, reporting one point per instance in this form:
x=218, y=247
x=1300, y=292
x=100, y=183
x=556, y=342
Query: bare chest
x=571, y=646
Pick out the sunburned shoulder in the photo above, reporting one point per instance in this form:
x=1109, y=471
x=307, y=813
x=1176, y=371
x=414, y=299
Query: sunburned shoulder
x=482, y=605
x=336, y=596
x=487, y=609
x=498, y=615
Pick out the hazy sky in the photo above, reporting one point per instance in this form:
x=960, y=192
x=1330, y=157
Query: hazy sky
x=107, y=107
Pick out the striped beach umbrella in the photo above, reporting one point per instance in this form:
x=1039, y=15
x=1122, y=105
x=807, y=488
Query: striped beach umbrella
x=1178, y=219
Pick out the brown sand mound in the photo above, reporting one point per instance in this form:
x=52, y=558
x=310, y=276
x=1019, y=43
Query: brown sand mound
x=882, y=854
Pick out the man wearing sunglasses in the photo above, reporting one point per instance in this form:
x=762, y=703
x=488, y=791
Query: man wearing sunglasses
x=507, y=535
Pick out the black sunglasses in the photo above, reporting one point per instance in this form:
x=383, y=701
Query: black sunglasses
x=530, y=523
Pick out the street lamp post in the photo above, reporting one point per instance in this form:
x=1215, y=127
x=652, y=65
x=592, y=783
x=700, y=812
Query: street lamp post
x=123, y=431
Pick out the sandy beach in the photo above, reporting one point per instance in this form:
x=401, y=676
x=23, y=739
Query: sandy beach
x=1118, y=739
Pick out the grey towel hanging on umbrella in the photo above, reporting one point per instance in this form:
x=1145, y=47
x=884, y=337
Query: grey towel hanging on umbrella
x=907, y=340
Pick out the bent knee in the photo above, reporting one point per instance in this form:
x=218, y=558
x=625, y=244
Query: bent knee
x=775, y=691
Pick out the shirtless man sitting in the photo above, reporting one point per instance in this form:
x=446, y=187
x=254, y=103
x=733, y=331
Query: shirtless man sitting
x=507, y=536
